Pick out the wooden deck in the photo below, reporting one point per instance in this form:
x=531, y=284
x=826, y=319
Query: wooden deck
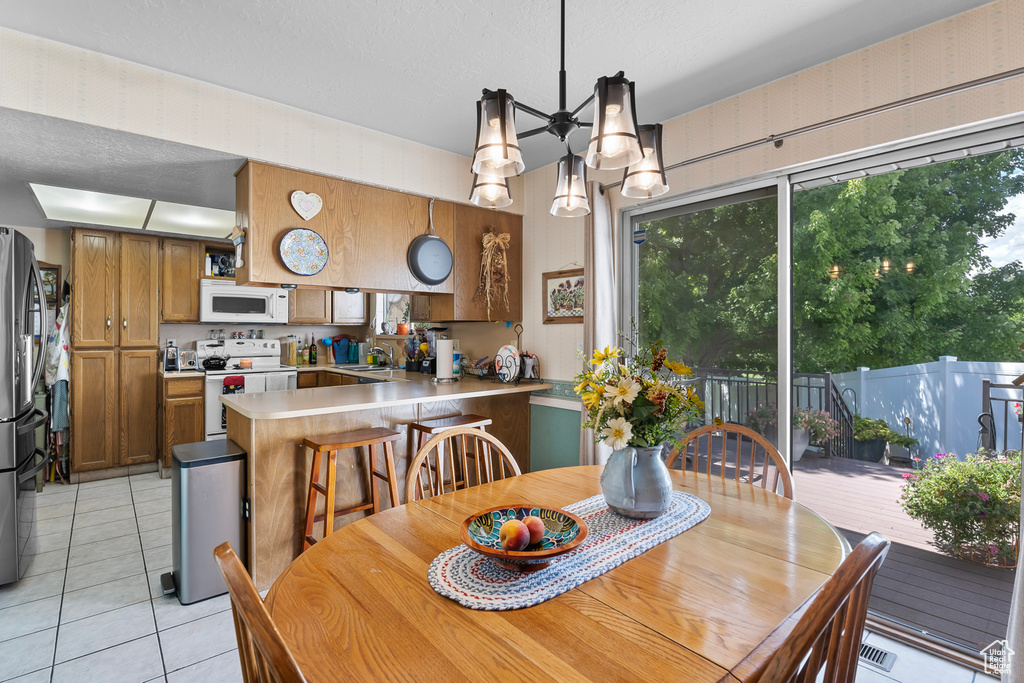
x=954, y=599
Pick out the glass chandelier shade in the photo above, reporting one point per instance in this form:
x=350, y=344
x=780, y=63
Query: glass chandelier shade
x=490, y=191
x=614, y=142
x=497, y=146
x=571, y=188
x=646, y=178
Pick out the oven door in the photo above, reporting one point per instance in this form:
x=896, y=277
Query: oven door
x=228, y=303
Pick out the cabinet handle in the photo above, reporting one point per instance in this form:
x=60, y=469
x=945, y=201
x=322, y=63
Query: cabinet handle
x=124, y=323
x=108, y=323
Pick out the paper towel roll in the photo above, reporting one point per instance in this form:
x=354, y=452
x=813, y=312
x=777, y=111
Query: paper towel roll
x=445, y=354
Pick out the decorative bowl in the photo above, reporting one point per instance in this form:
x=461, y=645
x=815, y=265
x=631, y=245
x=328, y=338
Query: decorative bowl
x=563, y=532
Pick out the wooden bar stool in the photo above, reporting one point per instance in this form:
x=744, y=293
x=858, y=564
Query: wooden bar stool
x=425, y=429
x=331, y=444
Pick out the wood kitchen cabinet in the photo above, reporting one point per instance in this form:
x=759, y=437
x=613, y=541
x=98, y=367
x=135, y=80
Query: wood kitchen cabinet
x=182, y=416
x=309, y=307
x=115, y=331
x=139, y=294
x=94, y=402
x=96, y=288
x=138, y=380
x=367, y=229
x=350, y=308
x=181, y=267
x=307, y=380
x=471, y=223
x=115, y=290
x=419, y=308
x=113, y=408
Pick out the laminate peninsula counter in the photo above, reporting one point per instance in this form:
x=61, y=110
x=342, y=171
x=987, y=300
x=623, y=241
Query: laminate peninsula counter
x=270, y=427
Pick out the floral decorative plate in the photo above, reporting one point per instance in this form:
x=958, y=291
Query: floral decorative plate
x=303, y=251
x=563, y=531
x=506, y=363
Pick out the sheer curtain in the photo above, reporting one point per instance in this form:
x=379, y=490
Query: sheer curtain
x=1014, y=673
x=600, y=301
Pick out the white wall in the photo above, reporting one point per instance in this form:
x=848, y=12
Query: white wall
x=943, y=399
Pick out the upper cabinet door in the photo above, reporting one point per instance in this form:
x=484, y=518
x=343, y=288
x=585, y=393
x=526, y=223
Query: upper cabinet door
x=179, y=296
x=94, y=269
x=349, y=308
x=309, y=307
x=139, y=321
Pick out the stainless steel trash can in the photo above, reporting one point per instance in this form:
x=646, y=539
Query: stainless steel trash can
x=207, y=486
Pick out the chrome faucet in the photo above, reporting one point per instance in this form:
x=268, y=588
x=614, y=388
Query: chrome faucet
x=390, y=353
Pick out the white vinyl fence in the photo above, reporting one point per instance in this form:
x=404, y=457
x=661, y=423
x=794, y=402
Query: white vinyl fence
x=942, y=400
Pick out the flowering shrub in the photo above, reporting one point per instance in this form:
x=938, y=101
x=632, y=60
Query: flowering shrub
x=972, y=505
x=638, y=400
x=818, y=422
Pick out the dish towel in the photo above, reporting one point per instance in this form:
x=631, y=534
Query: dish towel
x=277, y=382
x=477, y=582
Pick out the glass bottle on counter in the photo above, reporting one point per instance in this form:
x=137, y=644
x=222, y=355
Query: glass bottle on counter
x=312, y=349
x=305, y=352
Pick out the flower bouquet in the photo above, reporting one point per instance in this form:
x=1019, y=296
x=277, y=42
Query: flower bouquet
x=635, y=404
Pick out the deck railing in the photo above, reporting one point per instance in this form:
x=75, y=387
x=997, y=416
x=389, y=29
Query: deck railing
x=732, y=394
x=998, y=402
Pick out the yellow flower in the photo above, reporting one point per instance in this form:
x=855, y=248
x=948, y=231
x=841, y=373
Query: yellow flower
x=679, y=368
x=718, y=421
x=582, y=386
x=607, y=354
x=626, y=391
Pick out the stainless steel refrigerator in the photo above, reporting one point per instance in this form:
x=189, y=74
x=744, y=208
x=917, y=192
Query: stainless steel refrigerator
x=23, y=331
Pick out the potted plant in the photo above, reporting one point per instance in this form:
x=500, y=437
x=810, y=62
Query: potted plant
x=809, y=426
x=972, y=505
x=871, y=436
x=635, y=404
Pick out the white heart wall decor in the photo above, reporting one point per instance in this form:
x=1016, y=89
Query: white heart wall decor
x=306, y=205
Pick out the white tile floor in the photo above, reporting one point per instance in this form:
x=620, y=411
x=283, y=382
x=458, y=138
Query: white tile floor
x=90, y=607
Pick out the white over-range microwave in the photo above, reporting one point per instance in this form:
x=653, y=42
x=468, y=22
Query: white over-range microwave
x=226, y=302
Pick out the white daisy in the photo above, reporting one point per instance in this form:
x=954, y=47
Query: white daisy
x=618, y=433
x=626, y=390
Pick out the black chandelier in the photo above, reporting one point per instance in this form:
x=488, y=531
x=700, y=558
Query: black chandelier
x=616, y=141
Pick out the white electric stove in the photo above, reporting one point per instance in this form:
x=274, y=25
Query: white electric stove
x=264, y=374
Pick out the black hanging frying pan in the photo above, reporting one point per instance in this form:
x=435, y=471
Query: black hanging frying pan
x=430, y=259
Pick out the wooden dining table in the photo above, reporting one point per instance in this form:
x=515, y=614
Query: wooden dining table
x=358, y=605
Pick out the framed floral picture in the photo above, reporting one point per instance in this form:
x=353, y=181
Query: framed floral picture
x=563, y=296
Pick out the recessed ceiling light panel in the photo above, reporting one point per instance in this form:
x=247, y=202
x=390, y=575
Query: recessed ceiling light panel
x=94, y=208
x=191, y=220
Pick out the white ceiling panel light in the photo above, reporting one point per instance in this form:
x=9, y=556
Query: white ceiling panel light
x=95, y=208
x=191, y=220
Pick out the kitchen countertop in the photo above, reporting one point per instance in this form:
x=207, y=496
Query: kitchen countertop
x=398, y=389
x=184, y=374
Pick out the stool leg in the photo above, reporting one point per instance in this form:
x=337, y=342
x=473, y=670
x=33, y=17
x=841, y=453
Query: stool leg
x=373, y=484
x=314, y=477
x=389, y=463
x=332, y=461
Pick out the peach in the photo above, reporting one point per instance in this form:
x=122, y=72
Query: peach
x=536, y=527
x=514, y=535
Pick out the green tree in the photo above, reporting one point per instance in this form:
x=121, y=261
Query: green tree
x=913, y=282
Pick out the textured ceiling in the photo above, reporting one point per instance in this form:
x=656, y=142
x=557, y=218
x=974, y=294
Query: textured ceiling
x=67, y=154
x=415, y=69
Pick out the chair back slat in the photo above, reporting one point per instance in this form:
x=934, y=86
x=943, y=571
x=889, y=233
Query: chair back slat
x=261, y=649
x=772, y=468
x=471, y=444
x=828, y=634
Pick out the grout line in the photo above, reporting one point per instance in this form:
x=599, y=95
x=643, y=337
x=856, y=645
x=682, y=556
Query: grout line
x=64, y=585
x=145, y=569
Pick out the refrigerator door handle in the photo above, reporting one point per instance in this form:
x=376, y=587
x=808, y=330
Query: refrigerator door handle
x=22, y=478
x=43, y=331
x=42, y=417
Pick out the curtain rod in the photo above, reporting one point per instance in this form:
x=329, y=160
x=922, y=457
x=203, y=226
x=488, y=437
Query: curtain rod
x=778, y=138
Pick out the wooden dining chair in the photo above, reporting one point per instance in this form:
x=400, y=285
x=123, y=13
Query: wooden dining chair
x=481, y=457
x=265, y=657
x=756, y=464
x=828, y=632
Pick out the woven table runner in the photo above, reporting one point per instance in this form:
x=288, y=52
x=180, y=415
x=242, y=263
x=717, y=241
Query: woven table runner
x=475, y=581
